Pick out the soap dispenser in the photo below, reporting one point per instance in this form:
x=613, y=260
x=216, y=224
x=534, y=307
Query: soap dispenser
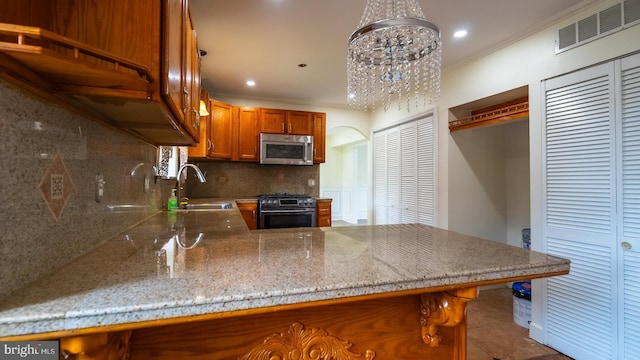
x=172, y=203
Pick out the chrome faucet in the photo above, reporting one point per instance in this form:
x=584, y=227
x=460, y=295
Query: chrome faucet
x=199, y=174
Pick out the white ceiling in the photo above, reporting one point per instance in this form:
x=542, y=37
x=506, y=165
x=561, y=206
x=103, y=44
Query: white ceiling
x=265, y=40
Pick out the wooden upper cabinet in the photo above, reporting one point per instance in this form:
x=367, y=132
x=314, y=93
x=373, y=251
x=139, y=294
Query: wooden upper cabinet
x=192, y=81
x=130, y=64
x=299, y=123
x=273, y=121
x=234, y=131
x=181, y=67
x=220, y=130
x=276, y=121
x=173, y=65
x=201, y=150
x=319, y=137
x=248, y=135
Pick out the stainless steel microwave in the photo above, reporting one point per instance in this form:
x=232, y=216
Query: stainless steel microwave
x=286, y=149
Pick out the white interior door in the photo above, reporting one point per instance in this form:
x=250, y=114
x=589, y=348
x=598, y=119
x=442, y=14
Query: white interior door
x=393, y=176
x=379, y=178
x=426, y=171
x=629, y=206
x=404, y=173
x=592, y=210
x=409, y=173
x=579, y=212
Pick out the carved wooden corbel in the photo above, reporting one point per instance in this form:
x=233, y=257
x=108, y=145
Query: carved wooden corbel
x=442, y=309
x=301, y=344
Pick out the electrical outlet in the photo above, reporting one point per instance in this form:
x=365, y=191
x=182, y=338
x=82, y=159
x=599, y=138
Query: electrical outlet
x=99, y=187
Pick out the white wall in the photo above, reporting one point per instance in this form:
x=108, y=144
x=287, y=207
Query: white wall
x=518, y=202
x=489, y=196
x=477, y=192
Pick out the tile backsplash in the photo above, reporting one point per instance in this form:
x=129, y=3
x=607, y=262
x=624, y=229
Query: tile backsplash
x=52, y=163
x=50, y=159
x=245, y=180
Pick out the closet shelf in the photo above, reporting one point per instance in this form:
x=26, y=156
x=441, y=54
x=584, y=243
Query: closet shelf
x=492, y=116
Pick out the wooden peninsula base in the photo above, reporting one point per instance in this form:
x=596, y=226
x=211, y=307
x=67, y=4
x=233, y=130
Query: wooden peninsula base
x=430, y=325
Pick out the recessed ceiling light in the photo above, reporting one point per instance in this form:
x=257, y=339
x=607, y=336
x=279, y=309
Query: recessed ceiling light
x=302, y=65
x=460, y=33
x=251, y=83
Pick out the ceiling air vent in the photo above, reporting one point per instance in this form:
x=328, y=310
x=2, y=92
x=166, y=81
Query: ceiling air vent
x=631, y=11
x=598, y=25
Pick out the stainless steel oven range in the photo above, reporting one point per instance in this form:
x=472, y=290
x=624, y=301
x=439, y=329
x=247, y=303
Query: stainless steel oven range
x=286, y=211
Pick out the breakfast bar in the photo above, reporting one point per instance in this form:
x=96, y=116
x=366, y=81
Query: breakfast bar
x=198, y=284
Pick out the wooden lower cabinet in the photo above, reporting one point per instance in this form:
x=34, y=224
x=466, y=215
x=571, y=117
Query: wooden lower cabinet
x=249, y=211
x=427, y=325
x=323, y=212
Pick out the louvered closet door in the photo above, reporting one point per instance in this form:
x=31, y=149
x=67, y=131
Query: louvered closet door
x=393, y=176
x=426, y=171
x=409, y=173
x=579, y=213
x=379, y=178
x=404, y=173
x=629, y=239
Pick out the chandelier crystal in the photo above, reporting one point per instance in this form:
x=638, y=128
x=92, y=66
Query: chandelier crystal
x=394, y=55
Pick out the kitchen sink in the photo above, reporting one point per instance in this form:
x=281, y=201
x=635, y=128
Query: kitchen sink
x=208, y=206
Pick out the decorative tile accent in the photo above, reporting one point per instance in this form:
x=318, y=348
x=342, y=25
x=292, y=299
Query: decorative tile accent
x=56, y=186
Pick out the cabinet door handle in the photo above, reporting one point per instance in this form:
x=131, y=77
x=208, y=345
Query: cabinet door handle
x=196, y=124
x=209, y=145
x=289, y=127
x=626, y=245
x=282, y=127
x=187, y=99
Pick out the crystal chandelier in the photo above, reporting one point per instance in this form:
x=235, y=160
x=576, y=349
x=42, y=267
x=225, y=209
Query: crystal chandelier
x=393, y=55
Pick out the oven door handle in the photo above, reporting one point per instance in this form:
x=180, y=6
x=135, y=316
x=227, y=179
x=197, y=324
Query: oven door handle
x=287, y=211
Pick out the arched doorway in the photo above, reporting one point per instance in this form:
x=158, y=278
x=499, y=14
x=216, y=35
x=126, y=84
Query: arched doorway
x=344, y=177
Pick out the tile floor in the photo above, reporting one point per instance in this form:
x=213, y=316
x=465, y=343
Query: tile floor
x=493, y=335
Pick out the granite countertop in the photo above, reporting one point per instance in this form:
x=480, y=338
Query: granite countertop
x=190, y=263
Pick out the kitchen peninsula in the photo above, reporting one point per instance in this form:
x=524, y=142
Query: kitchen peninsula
x=200, y=285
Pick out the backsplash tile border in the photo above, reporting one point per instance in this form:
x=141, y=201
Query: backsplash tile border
x=56, y=186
